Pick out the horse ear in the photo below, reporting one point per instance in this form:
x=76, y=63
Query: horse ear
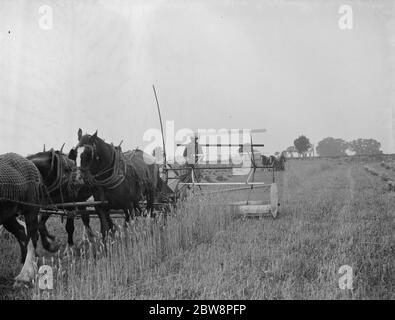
x=93, y=137
x=79, y=134
x=44, y=148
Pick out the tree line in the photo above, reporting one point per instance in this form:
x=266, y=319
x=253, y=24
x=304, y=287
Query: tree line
x=331, y=147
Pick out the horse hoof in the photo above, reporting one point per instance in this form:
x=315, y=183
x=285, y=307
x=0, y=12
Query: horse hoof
x=50, y=236
x=25, y=278
x=92, y=237
x=18, y=284
x=88, y=239
x=68, y=250
x=88, y=235
x=82, y=243
x=126, y=224
x=115, y=230
x=53, y=246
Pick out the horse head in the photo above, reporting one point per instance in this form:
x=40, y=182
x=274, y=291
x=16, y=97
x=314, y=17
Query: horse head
x=264, y=160
x=91, y=155
x=46, y=163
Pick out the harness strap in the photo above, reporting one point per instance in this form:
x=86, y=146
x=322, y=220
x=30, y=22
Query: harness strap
x=118, y=168
x=59, y=174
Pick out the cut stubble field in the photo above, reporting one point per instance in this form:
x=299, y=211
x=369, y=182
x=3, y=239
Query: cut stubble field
x=332, y=213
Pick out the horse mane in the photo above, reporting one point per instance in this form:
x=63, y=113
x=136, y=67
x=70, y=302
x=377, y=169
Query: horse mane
x=32, y=156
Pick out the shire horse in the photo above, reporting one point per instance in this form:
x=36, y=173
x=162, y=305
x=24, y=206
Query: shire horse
x=118, y=180
x=282, y=161
x=277, y=163
x=21, y=194
x=268, y=161
x=58, y=173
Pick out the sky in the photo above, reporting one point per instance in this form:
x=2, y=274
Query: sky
x=285, y=66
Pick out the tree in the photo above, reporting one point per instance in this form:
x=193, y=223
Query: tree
x=365, y=146
x=330, y=147
x=302, y=144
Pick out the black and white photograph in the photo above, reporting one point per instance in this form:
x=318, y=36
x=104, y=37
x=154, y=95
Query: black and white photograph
x=198, y=151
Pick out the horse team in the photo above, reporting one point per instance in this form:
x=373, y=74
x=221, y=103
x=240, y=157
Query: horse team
x=278, y=163
x=93, y=168
x=118, y=180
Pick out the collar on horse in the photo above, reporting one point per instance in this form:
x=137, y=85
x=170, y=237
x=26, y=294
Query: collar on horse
x=61, y=176
x=117, y=167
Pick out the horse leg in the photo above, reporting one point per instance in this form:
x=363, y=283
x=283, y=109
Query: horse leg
x=70, y=230
x=141, y=191
x=103, y=214
x=29, y=268
x=104, y=225
x=109, y=221
x=42, y=224
x=133, y=211
x=128, y=213
x=47, y=239
x=88, y=234
x=18, y=230
x=137, y=208
x=150, y=203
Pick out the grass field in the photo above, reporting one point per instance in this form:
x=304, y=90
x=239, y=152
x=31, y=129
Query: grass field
x=333, y=213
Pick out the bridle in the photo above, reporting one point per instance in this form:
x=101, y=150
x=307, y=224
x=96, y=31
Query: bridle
x=63, y=180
